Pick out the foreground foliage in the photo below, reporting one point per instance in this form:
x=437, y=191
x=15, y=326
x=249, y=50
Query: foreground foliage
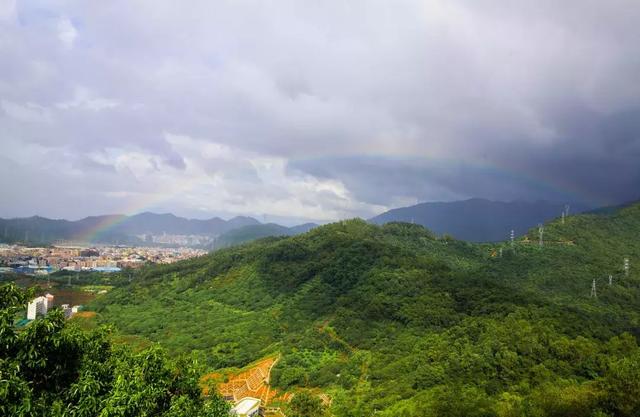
x=50, y=368
x=393, y=321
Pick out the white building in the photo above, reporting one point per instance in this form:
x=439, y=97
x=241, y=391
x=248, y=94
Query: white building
x=49, y=302
x=33, y=307
x=39, y=305
x=246, y=407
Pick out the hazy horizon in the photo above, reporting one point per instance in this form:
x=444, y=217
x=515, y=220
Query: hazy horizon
x=294, y=221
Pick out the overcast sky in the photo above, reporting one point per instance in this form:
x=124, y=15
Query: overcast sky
x=314, y=109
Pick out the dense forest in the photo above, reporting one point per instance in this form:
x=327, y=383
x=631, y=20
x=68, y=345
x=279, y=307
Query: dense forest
x=392, y=320
x=54, y=368
x=386, y=320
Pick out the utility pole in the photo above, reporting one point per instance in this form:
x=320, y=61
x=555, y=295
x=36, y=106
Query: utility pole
x=501, y=252
x=610, y=279
x=540, y=232
x=594, y=294
x=626, y=266
x=563, y=216
x=513, y=236
x=566, y=210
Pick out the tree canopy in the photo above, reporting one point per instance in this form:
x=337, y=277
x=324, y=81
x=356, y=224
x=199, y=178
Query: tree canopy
x=51, y=368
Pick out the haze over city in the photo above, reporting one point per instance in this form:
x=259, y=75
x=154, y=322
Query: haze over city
x=317, y=111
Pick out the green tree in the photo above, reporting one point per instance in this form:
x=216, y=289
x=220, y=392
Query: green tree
x=622, y=385
x=304, y=404
x=50, y=368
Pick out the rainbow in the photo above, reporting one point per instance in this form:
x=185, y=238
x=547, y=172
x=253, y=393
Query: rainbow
x=144, y=202
x=534, y=180
x=101, y=227
x=538, y=180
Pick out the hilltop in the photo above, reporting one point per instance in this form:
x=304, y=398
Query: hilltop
x=256, y=231
x=394, y=319
x=477, y=219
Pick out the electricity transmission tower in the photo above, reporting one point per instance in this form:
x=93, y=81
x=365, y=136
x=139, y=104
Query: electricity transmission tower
x=594, y=294
x=610, y=279
x=513, y=235
x=626, y=266
x=540, y=233
x=565, y=213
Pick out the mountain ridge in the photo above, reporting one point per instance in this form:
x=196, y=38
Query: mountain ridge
x=250, y=233
x=478, y=219
x=119, y=228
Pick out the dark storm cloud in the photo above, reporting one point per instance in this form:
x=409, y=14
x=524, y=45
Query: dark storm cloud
x=314, y=109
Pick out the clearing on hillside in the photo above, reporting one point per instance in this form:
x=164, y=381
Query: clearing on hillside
x=252, y=381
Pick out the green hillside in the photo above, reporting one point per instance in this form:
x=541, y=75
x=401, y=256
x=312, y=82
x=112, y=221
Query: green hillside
x=391, y=321
x=257, y=231
x=249, y=233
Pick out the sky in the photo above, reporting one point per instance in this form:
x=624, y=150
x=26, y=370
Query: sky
x=314, y=110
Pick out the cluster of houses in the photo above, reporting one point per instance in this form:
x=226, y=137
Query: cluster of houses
x=40, y=306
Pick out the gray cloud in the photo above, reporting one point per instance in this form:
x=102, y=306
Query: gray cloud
x=316, y=110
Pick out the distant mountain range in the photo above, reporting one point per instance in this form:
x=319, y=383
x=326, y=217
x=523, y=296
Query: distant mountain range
x=478, y=220
x=114, y=228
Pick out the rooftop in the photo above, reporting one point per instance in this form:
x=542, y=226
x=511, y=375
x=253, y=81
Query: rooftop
x=246, y=405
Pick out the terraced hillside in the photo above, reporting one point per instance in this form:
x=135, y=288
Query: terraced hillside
x=390, y=320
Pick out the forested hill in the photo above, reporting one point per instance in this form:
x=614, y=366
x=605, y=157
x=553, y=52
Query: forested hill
x=390, y=320
x=477, y=219
x=252, y=232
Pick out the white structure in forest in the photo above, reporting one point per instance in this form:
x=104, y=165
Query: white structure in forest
x=246, y=407
x=69, y=311
x=66, y=310
x=39, y=305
